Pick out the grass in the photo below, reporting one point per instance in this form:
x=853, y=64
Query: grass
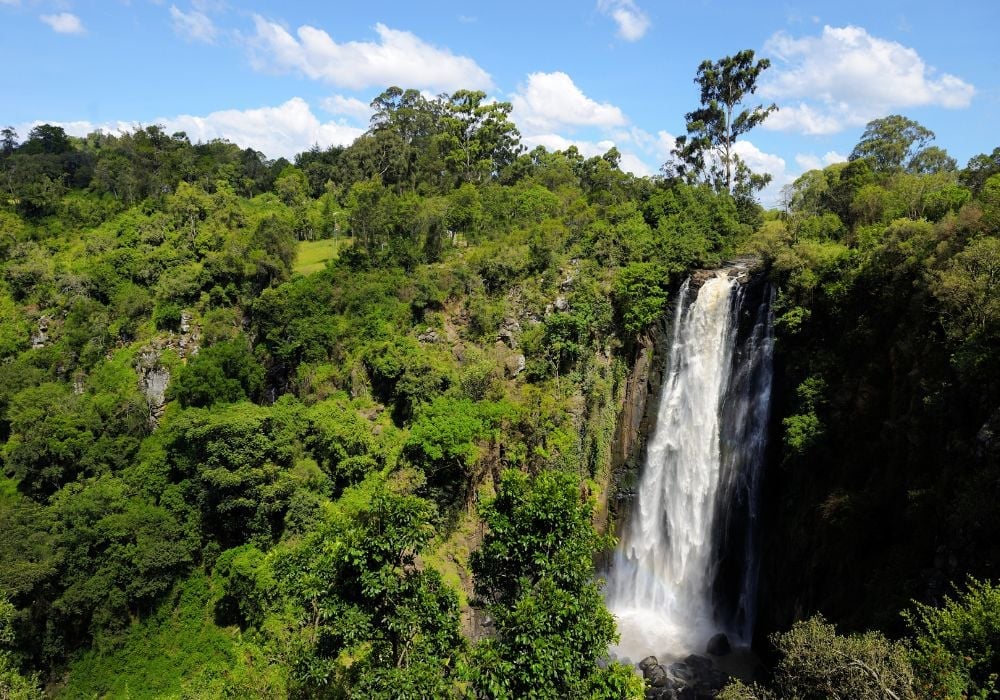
x=312, y=256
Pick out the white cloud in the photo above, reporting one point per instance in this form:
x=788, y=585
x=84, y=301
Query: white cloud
x=64, y=23
x=284, y=130
x=193, y=25
x=556, y=142
x=630, y=162
x=659, y=145
x=632, y=22
x=757, y=160
x=397, y=58
x=551, y=100
x=348, y=107
x=762, y=162
x=805, y=119
x=809, y=161
x=846, y=77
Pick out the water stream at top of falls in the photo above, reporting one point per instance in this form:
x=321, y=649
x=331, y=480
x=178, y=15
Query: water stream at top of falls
x=686, y=564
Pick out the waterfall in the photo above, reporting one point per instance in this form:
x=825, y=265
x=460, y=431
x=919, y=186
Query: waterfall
x=686, y=564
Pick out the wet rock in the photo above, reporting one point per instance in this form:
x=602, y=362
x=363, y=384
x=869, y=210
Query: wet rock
x=647, y=664
x=698, y=663
x=719, y=645
x=185, y=322
x=681, y=672
x=657, y=677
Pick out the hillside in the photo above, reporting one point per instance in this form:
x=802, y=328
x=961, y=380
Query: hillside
x=280, y=428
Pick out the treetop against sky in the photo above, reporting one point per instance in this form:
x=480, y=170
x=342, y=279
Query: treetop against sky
x=281, y=77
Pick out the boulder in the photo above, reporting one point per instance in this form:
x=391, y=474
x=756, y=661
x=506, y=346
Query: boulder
x=719, y=645
x=514, y=365
x=647, y=664
x=657, y=677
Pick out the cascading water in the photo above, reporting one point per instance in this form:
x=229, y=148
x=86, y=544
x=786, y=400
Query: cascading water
x=686, y=565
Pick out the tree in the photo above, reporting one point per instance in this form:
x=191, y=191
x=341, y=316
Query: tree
x=892, y=143
x=13, y=685
x=713, y=129
x=931, y=160
x=481, y=139
x=816, y=662
x=8, y=140
x=979, y=169
x=956, y=653
x=535, y=575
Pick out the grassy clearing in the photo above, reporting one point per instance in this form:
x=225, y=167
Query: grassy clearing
x=312, y=256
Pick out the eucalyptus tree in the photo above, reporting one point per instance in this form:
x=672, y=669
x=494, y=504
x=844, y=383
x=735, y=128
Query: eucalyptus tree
x=892, y=143
x=709, y=149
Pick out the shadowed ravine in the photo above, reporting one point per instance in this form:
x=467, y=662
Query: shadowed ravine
x=686, y=565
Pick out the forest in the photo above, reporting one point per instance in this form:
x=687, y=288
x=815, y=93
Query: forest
x=344, y=426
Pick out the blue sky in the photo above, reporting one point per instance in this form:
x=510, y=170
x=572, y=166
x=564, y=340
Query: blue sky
x=282, y=76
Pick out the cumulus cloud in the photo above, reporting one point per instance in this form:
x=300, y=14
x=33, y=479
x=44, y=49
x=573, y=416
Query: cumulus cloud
x=630, y=162
x=64, y=23
x=809, y=161
x=846, y=77
x=193, y=25
x=397, y=58
x=762, y=162
x=551, y=100
x=632, y=22
x=349, y=107
x=284, y=130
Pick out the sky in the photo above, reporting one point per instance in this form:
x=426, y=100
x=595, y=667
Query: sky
x=282, y=76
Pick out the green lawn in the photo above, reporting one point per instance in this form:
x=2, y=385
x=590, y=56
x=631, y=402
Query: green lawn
x=311, y=256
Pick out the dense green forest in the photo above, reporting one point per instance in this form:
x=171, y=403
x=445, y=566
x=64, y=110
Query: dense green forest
x=343, y=426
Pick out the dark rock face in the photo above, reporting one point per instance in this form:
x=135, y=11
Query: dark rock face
x=694, y=678
x=719, y=645
x=647, y=663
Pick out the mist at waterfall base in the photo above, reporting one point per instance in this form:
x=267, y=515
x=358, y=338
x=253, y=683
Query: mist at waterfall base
x=686, y=565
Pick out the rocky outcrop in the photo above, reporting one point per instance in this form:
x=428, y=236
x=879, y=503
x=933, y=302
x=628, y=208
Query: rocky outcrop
x=40, y=338
x=153, y=381
x=694, y=678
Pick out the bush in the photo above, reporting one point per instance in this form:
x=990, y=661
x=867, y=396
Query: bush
x=956, y=651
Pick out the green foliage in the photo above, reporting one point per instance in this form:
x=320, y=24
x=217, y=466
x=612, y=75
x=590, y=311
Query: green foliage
x=893, y=142
x=816, y=662
x=13, y=684
x=342, y=442
x=347, y=606
x=234, y=465
x=712, y=130
x=446, y=441
x=534, y=573
x=956, y=650
x=640, y=294
x=177, y=651
x=221, y=373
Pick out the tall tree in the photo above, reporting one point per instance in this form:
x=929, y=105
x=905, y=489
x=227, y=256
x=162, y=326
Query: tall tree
x=892, y=143
x=535, y=575
x=708, y=149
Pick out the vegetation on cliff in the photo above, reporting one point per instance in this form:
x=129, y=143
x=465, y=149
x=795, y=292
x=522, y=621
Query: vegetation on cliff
x=278, y=428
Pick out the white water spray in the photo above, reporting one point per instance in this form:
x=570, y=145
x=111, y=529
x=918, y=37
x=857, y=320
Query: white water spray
x=661, y=583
